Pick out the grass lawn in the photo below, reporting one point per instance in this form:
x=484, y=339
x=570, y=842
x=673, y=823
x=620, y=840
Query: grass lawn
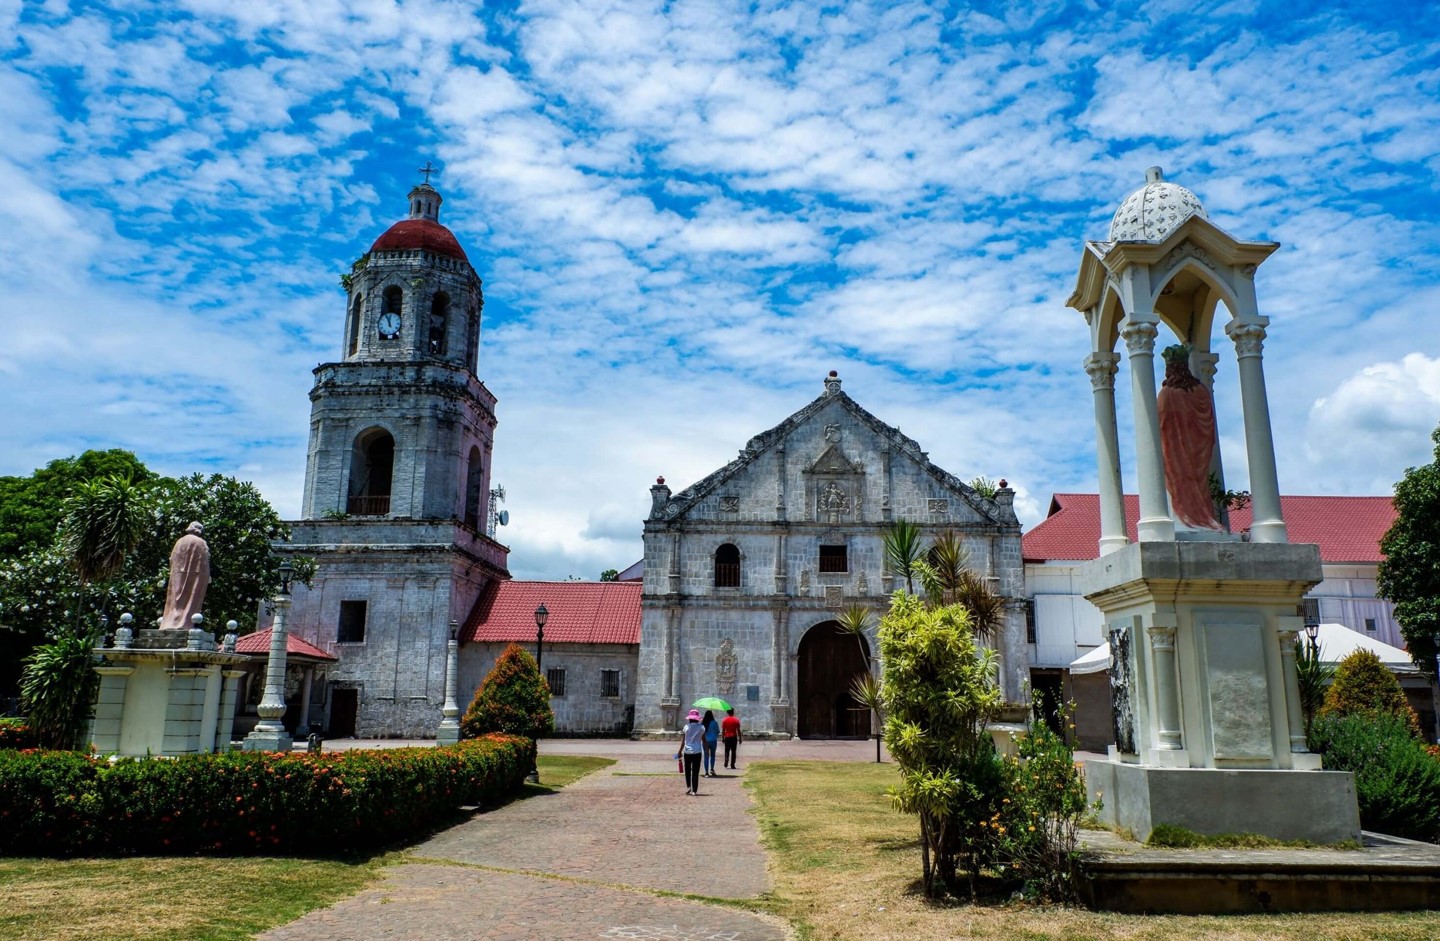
x=846, y=868
x=194, y=898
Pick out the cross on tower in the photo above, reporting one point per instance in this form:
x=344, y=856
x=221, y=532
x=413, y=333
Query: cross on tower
x=427, y=170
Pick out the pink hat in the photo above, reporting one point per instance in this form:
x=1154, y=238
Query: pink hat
x=694, y=715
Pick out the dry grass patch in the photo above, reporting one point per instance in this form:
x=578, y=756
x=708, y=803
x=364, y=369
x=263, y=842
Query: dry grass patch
x=847, y=868
x=160, y=899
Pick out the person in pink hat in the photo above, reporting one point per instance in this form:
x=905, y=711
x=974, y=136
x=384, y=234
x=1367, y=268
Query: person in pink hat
x=691, y=749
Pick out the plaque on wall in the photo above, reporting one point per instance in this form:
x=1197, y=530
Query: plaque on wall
x=1237, y=693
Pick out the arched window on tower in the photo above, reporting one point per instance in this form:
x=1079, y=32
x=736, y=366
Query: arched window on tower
x=439, y=322
x=474, y=479
x=372, y=462
x=727, y=566
x=357, y=314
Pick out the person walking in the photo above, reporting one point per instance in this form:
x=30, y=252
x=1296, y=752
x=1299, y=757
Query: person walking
x=711, y=739
x=691, y=747
x=730, y=735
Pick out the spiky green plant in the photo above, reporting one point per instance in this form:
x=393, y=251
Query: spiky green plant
x=947, y=578
x=903, y=548
x=103, y=521
x=57, y=687
x=1314, y=678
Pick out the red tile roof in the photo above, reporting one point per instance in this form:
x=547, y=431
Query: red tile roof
x=1347, y=529
x=580, y=612
x=259, y=643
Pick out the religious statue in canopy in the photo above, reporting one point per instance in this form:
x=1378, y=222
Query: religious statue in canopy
x=189, y=577
x=1187, y=439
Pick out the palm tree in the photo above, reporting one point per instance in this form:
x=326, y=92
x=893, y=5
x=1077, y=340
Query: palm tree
x=948, y=579
x=102, y=521
x=865, y=688
x=902, y=551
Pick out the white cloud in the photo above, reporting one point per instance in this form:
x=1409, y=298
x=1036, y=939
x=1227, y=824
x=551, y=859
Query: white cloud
x=1376, y=421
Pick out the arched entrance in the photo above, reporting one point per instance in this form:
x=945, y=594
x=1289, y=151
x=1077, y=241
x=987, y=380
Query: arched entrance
x=828, y=662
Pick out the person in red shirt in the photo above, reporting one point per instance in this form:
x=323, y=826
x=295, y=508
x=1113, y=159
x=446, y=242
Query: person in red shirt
x=730, y=735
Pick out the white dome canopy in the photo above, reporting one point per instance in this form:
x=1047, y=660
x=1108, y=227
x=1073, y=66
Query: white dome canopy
x=1154, y=210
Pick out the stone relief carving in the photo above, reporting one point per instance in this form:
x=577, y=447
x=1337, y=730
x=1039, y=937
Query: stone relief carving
x=832, y=432
x=1122, y=690
x=725, y=667
x=862, y=585
x=1191, y=249
x=804, y=581
x=834, y=596
x=834, y=501
x=730, y=504
x=939, y=507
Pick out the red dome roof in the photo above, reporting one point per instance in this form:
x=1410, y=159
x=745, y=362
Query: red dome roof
x=409, y=234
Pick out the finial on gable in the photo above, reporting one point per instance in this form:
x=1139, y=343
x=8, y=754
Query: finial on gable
x=832, y=383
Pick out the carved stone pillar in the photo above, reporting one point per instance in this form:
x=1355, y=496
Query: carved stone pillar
x=1167, y=693
x=1101, y=368
x=779, y=650
x=780, y=481
x=1293, y=712
x=1268, y=525
x=1155, y=524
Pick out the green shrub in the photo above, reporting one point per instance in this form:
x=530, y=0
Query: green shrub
x=14, y=733
x=1397, y=780
x=514, y=699
x=1364, y=685
x=55, y=803
x=57, y=688
x=1037, y=842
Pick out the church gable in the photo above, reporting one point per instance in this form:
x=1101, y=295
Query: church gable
x=831, y=462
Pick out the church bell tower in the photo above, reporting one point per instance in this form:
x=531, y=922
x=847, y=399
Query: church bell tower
x=397, y=480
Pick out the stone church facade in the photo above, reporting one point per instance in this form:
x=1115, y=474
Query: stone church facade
x=746, y=570
x=396, y=482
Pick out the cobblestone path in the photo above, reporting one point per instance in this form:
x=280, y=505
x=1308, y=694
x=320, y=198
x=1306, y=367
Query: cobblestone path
x=612, y=838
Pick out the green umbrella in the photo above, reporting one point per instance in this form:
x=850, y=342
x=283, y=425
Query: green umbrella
x=711, y=702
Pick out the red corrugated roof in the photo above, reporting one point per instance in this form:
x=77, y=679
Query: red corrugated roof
x=259, y=643
x=1347, y=529
x=419, y=233
x=580, y=612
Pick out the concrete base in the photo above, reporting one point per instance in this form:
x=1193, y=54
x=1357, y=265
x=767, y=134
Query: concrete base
x=260, y=740
x=447, y=735
x=1318, y=806
x=164, y=701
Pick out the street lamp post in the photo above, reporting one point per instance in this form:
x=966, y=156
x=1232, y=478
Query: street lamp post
x=1312, y=633
x=541, y=616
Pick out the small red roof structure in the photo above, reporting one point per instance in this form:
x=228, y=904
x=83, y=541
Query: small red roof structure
x=408, y=234
x=1347, y=529
x=580, y=612
x=258, y=644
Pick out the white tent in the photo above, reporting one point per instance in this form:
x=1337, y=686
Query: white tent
x=1336, y=643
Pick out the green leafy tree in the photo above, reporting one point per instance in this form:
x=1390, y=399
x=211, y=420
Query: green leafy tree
x=940, y=690
x=1410, y=564
x=903, y=548
x=1363, y=685
x=31, y=507
x=514, y=698
x=610, y=575
x=57, y=687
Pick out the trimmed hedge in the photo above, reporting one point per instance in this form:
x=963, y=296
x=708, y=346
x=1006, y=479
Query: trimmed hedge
x=56, y=803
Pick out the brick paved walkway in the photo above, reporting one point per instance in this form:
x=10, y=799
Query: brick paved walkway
x=622, y=830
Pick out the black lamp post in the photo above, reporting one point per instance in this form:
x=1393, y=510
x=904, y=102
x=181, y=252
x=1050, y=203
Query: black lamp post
x=1312, y=634
x=541, y=616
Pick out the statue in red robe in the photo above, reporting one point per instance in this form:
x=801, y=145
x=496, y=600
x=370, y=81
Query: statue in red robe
x=1187, y=440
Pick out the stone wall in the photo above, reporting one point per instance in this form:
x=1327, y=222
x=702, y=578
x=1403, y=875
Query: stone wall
x=582, y=710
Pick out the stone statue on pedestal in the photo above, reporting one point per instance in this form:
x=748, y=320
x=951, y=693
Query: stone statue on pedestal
x=189, y=578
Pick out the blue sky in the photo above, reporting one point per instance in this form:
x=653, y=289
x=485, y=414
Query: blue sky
x=686, y=213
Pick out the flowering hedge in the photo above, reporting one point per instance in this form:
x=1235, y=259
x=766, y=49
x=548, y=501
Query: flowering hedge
x=16, y=734
x=67, y=803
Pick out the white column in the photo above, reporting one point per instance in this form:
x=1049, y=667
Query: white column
x=1155, y=523
x=1268, y=525
x=307, y=684
x=1167, y=694
x=1102, y=368
x=1294, y=714
x=449, y=731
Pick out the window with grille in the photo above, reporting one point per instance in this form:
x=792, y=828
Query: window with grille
x=610, y=683
x=555, y=676
x=1030, y=635
x=352, y=623
x=1370, y=625
x=834, y=559
x=727, y=566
